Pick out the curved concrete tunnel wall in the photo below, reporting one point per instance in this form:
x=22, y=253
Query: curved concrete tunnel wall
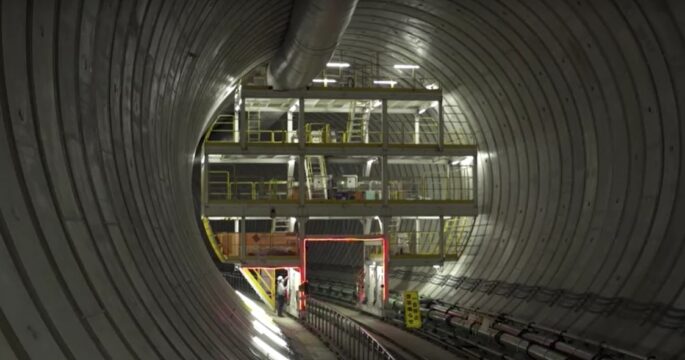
x=575, y=105
x=577, y=109
x=102, y=107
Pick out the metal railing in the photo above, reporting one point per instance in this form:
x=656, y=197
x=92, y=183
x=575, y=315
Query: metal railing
x=332, y=136
x=455, y=188
x=222, y=187
x=458, y=187
x=345, y=335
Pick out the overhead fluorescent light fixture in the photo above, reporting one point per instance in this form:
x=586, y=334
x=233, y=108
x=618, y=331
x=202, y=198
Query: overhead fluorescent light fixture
x=325, y=81
x=406, y=67
x=339, y=65
x=432, y=86
x=385, y=82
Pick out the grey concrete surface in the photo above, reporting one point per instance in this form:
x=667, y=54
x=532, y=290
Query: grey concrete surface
x=577, y=107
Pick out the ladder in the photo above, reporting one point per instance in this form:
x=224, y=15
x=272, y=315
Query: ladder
x=455, y=229
x=357, y=125
x=263, y=281
x=280, y=225
x=254, y=126
x=428, y=129
x=317, y=178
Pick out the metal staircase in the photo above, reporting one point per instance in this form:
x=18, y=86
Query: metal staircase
x=357, y=125
x=317, y=178
x=254, y=126
x=263, y=281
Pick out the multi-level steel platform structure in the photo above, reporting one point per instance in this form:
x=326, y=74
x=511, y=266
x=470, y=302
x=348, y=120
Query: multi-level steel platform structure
x=334, y=154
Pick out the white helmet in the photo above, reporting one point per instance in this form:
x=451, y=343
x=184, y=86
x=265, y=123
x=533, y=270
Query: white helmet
x=279, y=278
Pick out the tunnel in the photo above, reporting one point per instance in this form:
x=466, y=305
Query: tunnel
x=576, y=108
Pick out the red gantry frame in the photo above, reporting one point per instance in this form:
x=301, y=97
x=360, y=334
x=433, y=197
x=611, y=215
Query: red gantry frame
x=329, y=238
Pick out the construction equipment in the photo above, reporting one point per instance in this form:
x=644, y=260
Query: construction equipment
x=317, y=177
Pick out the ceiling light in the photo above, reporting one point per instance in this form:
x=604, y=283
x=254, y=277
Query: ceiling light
x=385, y=82
x=325, y=81
x=405, y=66
x=340, y=65
x=422, y=111
x=432, y=86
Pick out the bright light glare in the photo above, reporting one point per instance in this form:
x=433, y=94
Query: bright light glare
x=325, y=81
x=338, y=65
x=432, y=87
x=268, y=350
x=422, y=111
x=293, y=108
x=435, y=104
x=467, y=161
x=436, y=267
x=385, y=82
x=270, y=334
x=266, y=320
x=217, y=218
x=405, y=66
x=260, y=314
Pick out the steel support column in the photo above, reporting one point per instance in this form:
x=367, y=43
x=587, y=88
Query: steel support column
x=441, y=126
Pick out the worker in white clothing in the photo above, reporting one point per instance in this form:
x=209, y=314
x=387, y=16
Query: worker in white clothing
x=281, y=293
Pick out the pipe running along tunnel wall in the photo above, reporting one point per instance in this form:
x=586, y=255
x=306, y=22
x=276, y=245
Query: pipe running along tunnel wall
x=576, y=106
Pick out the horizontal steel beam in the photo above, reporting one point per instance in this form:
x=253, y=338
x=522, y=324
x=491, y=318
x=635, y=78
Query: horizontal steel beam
x=340, y=209
x=340, y=150
x=343, y=93
x=266, y=261
x=328, y=109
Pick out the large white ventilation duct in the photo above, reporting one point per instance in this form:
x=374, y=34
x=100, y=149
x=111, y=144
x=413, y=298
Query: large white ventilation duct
x=315, y=29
